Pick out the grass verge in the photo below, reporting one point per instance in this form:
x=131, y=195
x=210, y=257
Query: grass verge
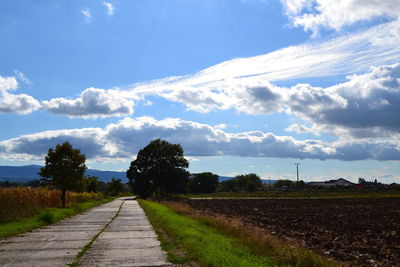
x=220, y=242
x=45, y=217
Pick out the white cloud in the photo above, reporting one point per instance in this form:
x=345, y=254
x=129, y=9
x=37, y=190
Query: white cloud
x=92, y=103
x=220, y=126
x=8, y=83
x=366, y=106
x=229, y=84
x=122, y=140
x=22, y=77
x=245, y=83
x=302, y=129
x=335, y=14
x=15, y=103
x=148, y=103
x=110, y=8
x=86, y=14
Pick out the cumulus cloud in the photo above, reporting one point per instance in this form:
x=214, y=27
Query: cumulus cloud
x=35, y=146
x=335, y=14
x=15, y=103
x=246, y=84
x=122, y=140
x=8, y=83
x=110, y=8
x=365, y=106
x=92, y=103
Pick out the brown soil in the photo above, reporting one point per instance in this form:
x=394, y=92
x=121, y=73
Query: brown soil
x=363, y=232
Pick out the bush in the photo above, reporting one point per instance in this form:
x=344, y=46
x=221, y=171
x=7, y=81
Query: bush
x=47, y=217
x=284, y=183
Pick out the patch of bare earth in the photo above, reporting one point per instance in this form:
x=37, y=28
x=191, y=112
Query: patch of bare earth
x=362, y=232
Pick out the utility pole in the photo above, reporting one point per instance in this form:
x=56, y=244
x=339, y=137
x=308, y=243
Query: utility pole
x=297, y=169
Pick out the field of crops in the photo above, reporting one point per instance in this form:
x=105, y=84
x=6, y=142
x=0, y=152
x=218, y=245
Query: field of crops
x=20, y=202
x=356, y=231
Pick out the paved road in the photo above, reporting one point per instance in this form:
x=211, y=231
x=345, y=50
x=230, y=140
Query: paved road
x=126, y=239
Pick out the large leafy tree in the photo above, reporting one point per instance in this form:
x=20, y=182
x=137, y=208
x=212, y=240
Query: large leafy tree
x=64, y=168
x=248, y=182
x=160, y=169
x=205, y=182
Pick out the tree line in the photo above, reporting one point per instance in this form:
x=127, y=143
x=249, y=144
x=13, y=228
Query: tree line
x=160, y=169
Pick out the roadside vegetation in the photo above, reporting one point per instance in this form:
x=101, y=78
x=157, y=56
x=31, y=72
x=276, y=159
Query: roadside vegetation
x=189, y=237
x=22, y=202
x=45, y=216
x=64, y=191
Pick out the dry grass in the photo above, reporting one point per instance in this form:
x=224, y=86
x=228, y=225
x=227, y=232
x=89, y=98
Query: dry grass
x=259, y=241
x=22, y=202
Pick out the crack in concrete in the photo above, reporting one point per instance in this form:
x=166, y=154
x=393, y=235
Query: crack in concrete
x=89, y=245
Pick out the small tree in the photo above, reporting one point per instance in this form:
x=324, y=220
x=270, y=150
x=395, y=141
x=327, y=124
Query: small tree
x=64, y=168
x=160, y=169
x=114, y=187
x=91, y=184
x=248, y=182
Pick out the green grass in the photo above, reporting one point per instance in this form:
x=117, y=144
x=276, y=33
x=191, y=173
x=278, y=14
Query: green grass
x=301, y=194
x=45, y=217
x=199, y=242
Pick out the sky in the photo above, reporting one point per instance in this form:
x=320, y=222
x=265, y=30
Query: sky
x=245, y=86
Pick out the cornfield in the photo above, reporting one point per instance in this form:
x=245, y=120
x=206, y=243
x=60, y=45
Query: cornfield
x=19, y=202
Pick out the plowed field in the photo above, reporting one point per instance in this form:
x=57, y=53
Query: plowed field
x=358, y=231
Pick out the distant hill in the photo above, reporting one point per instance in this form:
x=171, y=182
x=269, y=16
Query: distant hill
x=23, y=174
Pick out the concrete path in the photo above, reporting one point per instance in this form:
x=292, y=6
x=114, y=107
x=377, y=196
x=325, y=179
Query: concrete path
x=126, y=239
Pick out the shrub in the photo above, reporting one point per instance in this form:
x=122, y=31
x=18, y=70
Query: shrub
x=47, y=217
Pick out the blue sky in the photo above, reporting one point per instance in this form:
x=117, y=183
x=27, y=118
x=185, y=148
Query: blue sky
x=244, y=85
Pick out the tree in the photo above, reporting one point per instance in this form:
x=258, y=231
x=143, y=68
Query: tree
x=228, y=186
x=160, y=169
x=205, y=182
x=361, y=181
x=64, y=168
x=91, y=184
x=88, y=184
x=284, y=183
x=114, y=187
x=248, y=182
